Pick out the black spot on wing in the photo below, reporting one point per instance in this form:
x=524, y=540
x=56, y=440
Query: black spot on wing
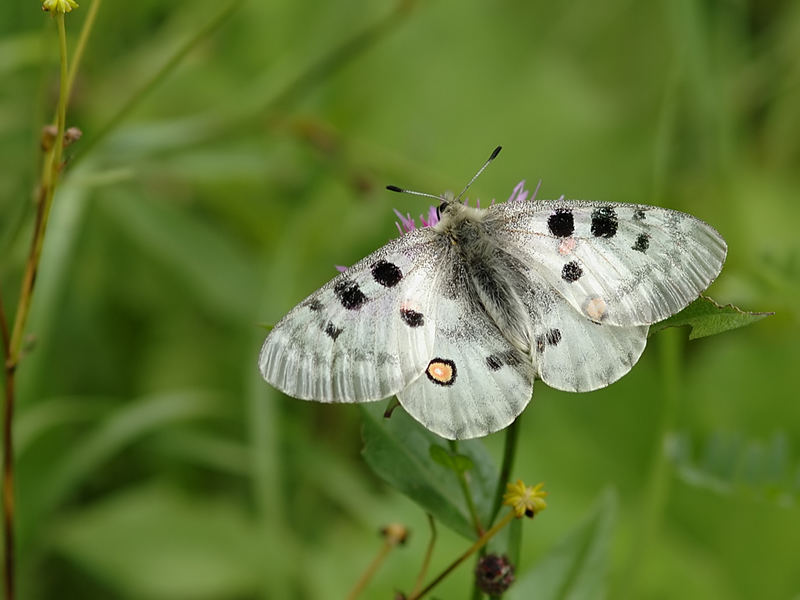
x=314, y=305
x=638, y=214
x=642, y=243
x=349, y=294
x=386, y=273
x=494, y=362
x=604, y=222
x=332, y=331
x=442, y=371
x=561, y=223
x=571, y=272
x=550, y=338
x=412, y=318
x=553, y=337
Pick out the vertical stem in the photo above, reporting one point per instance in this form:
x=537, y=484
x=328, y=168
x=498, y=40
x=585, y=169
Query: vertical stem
x=8, y=484
x=462, y=482
x=509, y=455
x=13, y=344
x=658, y=485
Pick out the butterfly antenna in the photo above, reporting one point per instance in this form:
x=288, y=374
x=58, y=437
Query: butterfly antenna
x=495, y=152
x=394, y=188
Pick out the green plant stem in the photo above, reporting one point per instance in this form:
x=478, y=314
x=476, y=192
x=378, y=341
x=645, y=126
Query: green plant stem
x=83, y=38
x=428, y=554
x=509, y=455
x=658, y=485
x=469, y=552
x=51, y=167
x=462, y=482
x=157, y=78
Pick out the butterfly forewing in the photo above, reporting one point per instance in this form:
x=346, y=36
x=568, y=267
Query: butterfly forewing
x=618, y=264
x=364, y=335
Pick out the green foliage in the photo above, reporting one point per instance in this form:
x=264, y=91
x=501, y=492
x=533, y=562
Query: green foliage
x=577, y=567
x=415, y=461
x=165, y=544
x=705, y=317
x=727, y=464
x=230, y=159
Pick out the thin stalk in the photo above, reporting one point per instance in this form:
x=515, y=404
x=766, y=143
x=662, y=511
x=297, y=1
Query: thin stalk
x=428, y=554
x=469, y=552
x=12, y=344
x=509, y=455
x=371, y=569
x=83, y=38
x=476, y=522
x=462, y=482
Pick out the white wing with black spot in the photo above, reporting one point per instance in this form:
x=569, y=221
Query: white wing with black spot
x=574, y=353
x=364, y=335
x=476, y=382
x=619, y=264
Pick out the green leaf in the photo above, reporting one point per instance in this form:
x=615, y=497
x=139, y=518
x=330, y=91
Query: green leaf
x=417, y=463
x=156, y=542
x=462, y=463
x=706, y=317
x=458, y=463
x=577, y=567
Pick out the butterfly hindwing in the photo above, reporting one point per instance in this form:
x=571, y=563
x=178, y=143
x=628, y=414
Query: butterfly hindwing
x=476, y=382
x=364, y=335
x=574, y=353
x=619, y=264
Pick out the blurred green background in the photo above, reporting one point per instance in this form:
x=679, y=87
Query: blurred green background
x=153, y=462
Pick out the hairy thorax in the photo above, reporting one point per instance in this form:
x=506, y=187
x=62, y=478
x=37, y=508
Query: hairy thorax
x=495, y=277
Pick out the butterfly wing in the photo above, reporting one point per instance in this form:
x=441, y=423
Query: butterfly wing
x=476, y=382
x=619, y=264
x=365, y=334
x=574, y=353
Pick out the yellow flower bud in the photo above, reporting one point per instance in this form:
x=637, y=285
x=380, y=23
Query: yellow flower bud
x=59, y=6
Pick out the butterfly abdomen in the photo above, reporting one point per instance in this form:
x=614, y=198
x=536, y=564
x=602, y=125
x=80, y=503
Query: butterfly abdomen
x=493, y=277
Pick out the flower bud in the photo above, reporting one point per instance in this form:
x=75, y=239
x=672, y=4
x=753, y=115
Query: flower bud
x=494, y=574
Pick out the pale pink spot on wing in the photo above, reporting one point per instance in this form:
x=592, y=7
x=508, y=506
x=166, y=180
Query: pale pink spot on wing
x=596, y=308
x=566, y=246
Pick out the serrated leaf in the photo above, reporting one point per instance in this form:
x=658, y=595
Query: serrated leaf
x=705, y=317
x=577, y=567
x=399, y=450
